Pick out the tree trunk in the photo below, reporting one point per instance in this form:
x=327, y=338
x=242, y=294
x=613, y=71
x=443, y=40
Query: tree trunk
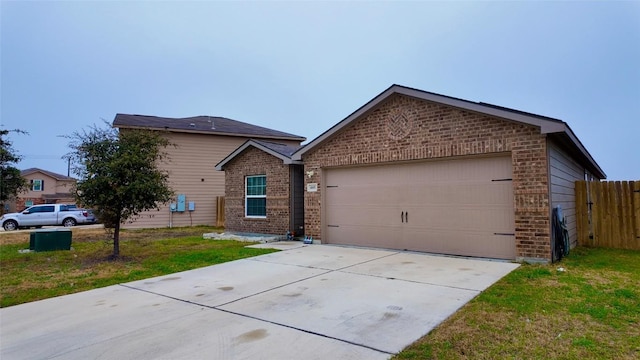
x=116, y=240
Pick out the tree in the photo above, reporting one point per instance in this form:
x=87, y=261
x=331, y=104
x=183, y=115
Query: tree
x=118, y=174
x=11, y=183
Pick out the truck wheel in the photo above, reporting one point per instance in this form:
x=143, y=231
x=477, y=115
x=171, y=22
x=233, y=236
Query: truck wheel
x=10, y=225
x=68, y=222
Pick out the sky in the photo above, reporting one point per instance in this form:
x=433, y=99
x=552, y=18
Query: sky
x=301, y=67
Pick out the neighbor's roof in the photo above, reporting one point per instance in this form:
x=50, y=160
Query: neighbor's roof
x=281, y=151
x=56, y=176
x=201, y=124
x=547, y=125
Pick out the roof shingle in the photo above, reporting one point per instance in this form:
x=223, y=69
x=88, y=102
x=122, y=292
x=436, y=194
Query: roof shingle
x=201, y=124
x=56, y=176
x=282, y=149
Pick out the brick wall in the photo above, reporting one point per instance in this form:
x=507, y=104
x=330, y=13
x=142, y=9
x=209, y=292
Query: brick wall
x=404, y=128
x=256, y=162
x=21, y=203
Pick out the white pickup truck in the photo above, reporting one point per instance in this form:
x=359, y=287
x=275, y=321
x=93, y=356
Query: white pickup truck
x=45, y=215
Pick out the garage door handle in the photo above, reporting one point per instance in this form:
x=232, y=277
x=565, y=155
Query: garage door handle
x=402, y=216
x=406, y=217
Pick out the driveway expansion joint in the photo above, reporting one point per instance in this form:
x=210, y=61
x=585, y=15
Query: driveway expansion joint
x=412, y=281
x=218, y=308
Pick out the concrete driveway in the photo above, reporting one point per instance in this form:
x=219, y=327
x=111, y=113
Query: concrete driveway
x=306, y=302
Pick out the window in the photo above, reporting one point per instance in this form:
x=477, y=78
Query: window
x=256, y=196
x=42, y=209
x=37, y=185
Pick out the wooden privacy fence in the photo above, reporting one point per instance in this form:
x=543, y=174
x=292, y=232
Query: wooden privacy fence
x=220, y=211
x=608, y=214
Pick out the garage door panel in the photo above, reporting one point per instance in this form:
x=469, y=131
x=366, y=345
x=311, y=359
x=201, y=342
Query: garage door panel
x=374, y=236
x=485, y=219
x=467, y=243
x=460, y=171
x=462, y=207
x=483, y=193
x=363, y=215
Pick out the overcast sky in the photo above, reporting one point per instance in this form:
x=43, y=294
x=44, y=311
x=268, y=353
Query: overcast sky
x=301, y=67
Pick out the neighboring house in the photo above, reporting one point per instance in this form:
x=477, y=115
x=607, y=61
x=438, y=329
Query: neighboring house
x=200, y=143
x=414, y=170
x=44, y=187
x=259, y=171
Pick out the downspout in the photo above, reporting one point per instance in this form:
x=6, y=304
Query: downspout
x=292, y=202
x=550, y=196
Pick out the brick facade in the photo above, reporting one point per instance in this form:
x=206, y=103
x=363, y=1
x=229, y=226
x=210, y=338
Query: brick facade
x=256, y=162
x=21, y=203
x=403, y=128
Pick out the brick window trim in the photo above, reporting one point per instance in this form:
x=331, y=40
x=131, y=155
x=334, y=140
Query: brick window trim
x=256, y=219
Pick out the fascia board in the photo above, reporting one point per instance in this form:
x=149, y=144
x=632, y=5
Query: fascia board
x=286, y=160
x=546, y=126
x=342, y=124
x=187, y=131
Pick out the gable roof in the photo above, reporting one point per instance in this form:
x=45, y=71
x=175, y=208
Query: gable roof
x=56, y=176
x=547, y=125
x=212, y=125
x=281, y=151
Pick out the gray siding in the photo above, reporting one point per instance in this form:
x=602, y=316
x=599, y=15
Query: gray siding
x=564, y=171
x=192, y=172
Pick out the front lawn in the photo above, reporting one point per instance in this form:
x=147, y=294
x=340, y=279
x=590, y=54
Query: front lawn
x=585, y=307
x=145, y=253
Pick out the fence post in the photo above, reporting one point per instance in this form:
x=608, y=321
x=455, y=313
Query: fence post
x=581, y=207
x=626, y=213
x=220, y=218
x=595, y=213
x=635, y=205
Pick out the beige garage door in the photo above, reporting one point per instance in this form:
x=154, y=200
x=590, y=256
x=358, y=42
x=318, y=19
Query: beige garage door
x=461, y=207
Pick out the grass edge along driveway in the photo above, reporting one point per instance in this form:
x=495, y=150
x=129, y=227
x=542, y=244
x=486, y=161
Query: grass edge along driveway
x=145, y=253
x=585, y=307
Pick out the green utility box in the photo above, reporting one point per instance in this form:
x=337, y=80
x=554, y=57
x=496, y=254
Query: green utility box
x=50, y=239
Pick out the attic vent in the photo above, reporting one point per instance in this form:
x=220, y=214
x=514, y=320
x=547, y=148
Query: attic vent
x=192, y=125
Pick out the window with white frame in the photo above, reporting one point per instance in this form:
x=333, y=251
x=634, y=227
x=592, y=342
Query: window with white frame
x=256, y=196
x=37, y=185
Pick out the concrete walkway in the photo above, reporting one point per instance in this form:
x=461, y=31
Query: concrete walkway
x=306, y=302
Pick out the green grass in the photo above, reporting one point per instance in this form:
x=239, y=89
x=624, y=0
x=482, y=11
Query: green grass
x=34, y=276
x=591, y=310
